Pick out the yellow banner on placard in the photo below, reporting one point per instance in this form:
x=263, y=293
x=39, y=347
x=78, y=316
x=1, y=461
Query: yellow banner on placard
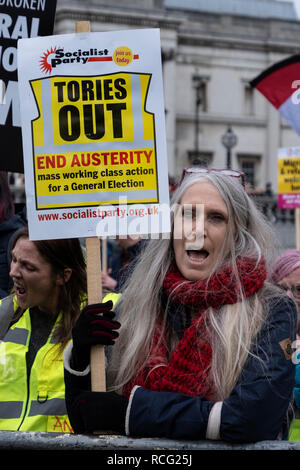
x=95, y=172
x=106, y=114
x=91, y=109
x=288, y=175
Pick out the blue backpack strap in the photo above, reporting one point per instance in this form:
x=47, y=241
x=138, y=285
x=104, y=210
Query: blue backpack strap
x=6, y=314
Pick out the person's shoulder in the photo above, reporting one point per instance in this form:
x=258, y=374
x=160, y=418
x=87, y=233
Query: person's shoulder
x=282, y=304
x=282, y=311
x=7, y=231
x=8, y=306
x=9, y=300
x=13, y=223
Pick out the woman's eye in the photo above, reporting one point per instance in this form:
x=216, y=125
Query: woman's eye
x=217, y=217
x=29, y=267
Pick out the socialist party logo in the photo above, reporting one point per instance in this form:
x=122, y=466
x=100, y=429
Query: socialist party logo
x=54, y=57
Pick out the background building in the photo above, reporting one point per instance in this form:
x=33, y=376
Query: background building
x=210, y=50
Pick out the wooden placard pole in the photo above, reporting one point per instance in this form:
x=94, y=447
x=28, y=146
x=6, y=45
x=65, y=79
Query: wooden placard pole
x=94, y=292
x=83, y=27
x=94, y=285
x=104, y=254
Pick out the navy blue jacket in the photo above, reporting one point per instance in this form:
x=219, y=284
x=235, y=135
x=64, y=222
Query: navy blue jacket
x=255, y=409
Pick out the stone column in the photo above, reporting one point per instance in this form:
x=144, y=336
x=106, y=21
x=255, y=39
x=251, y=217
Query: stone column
x=169, y=79
x=272, y=145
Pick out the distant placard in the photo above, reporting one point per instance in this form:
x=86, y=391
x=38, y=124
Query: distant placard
x=93, y=134
x=289, y=178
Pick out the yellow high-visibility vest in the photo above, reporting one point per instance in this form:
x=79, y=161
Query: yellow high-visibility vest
x=39, y=403
x=113, y=296
x=36, y=404
x=294, y=429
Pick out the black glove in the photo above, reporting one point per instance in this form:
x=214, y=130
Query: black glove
x=95, y=325
x=98, y=411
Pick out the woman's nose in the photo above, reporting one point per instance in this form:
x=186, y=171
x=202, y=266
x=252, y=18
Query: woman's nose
x=14, y=270
x=196, y=233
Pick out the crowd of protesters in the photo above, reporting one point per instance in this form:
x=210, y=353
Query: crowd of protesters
x=199, y=345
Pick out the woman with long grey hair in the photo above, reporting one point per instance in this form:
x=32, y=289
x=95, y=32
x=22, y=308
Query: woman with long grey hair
x=204, y=348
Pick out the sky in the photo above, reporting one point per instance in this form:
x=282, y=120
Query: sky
x=297, y=6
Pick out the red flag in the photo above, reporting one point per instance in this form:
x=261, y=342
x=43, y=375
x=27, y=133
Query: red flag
x=280, y=84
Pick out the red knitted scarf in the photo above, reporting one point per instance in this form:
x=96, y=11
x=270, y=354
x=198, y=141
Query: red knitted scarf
x=187, y=369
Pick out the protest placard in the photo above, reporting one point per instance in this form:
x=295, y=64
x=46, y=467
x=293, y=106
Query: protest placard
x=289, y=178
x=94, y=142
x=18, y=19
x=94, y=134
x=289, y=184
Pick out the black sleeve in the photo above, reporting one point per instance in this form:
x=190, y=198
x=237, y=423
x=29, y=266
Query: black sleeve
x=256, y=408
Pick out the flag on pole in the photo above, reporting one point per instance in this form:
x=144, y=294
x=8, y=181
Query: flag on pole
x=280, y=84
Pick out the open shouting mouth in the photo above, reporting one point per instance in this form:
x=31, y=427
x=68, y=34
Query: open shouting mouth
x=20, y=291
x=197, y=256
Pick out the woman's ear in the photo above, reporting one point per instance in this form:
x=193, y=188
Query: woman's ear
x=67, y=273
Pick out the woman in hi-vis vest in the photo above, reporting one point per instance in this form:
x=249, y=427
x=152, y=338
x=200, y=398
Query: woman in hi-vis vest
x=35, y=326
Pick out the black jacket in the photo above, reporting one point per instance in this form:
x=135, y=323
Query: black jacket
x=256, y=408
